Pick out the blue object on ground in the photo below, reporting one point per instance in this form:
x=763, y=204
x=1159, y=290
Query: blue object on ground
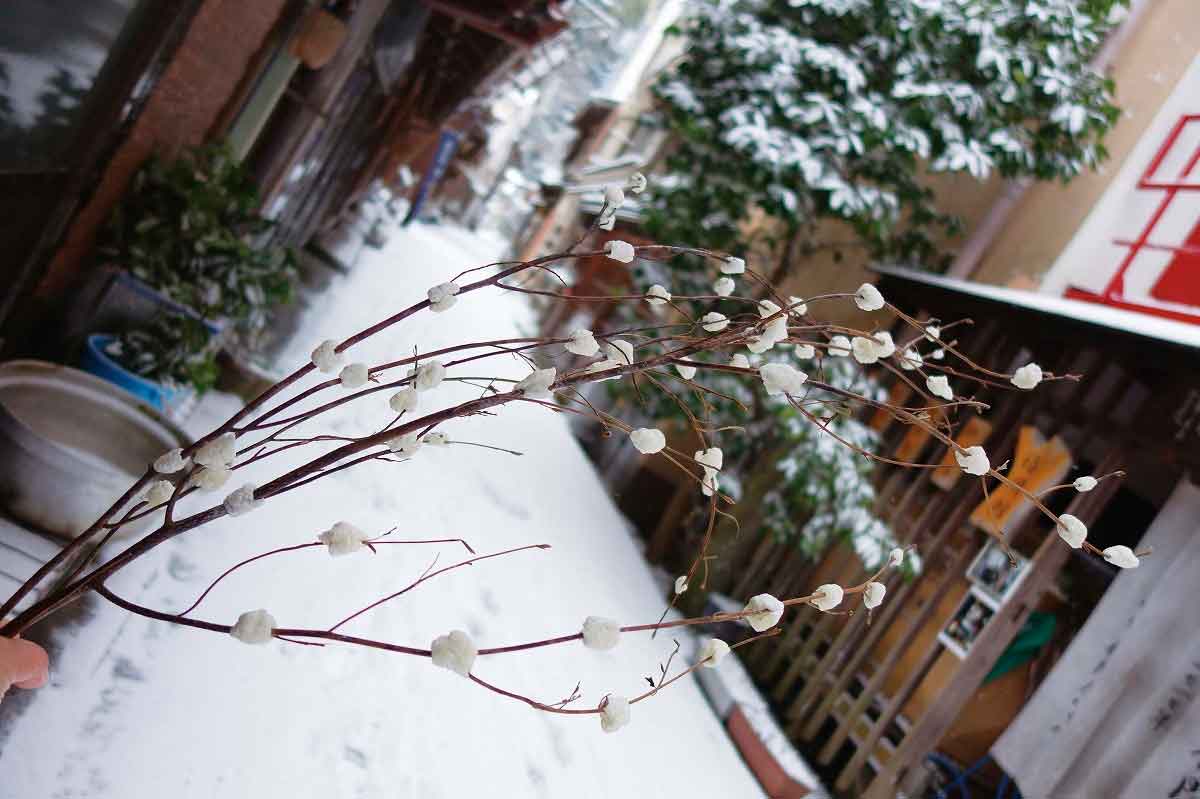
x=99, y=363
x=960, y=776
x=447, y=144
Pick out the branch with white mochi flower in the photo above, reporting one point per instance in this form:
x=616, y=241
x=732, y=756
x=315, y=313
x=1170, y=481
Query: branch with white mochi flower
x=458, y=652
x=288, y=416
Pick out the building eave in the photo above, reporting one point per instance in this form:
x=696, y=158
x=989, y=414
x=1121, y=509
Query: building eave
x=1101, y=319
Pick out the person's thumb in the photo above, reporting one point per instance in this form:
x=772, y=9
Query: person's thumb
x=23, y=663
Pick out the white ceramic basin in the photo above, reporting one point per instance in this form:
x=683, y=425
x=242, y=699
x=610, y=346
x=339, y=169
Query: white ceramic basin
x=71, y=444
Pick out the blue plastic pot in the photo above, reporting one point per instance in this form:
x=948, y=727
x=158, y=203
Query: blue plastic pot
x=98, y=362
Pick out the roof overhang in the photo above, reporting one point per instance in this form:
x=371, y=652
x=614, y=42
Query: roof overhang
x=1100, y=319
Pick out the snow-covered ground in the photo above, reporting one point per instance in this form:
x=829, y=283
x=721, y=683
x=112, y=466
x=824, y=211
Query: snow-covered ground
x=143, y=709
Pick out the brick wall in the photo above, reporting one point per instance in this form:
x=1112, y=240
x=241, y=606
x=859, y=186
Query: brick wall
x=202, y=76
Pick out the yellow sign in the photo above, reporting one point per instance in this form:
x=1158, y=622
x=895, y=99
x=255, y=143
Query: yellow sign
x=1037, y=465
x=975, y=431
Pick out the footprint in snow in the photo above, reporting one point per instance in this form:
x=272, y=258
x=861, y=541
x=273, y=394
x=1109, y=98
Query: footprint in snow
x=502, y=501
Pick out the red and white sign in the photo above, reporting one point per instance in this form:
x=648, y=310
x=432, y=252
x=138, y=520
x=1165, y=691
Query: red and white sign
x=1139, y=249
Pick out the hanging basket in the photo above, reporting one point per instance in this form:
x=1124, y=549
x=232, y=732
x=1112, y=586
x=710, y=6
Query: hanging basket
x=318, y=40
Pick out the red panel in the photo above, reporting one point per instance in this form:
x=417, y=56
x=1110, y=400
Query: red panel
x=1180, y=281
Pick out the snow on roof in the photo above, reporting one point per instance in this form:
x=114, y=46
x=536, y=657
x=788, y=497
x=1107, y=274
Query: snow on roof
x=1116, y=319
x=626, y=82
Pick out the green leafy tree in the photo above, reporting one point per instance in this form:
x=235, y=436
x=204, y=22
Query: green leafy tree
x=828, y=116
x=816, y=110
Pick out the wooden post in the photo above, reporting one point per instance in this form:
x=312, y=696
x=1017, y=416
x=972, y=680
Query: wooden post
x=827, y=665
x=734, y=559
x=1009, y=416
x=957, y=503
x=994, y=639
x=794, y=646
x=948, y=500
x=766, y=659
x=892, y=707
x=725, y=536
x=750, y=575
x=788, y=564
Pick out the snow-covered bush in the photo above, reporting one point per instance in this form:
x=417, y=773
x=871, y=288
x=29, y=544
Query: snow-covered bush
x=834, y=109
x=825, y=489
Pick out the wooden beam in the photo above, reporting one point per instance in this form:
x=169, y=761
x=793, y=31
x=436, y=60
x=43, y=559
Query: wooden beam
x=827, y=666
x=786, y=567
x=891, y=709
x=835, y=679
x=482, y=23
x=765, y=659
x=958, y=502
x=941, y=502
x=750, y=575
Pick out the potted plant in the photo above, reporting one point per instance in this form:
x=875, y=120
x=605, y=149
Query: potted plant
x=189, y=236
x=190, y=228
x=167, y=363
